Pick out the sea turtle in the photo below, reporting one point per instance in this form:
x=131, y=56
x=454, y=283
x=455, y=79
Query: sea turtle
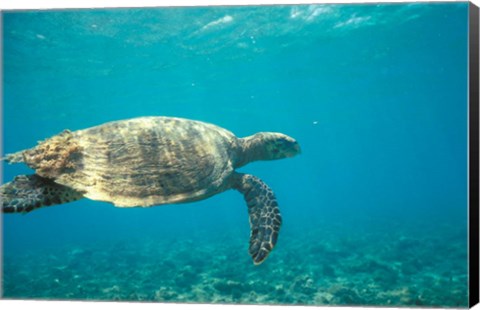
x=150, y=161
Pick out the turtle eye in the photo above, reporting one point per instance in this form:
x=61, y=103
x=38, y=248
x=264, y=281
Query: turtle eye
x=281, y=144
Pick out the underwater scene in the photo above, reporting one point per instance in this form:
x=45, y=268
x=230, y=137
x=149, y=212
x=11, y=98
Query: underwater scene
x=368, y=104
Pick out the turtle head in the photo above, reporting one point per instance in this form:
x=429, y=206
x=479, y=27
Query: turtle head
x=277, y=145
x=268, y=146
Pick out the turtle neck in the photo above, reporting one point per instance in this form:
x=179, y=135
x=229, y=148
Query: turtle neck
x=252, y=148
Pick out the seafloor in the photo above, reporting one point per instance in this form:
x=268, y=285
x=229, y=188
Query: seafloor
x=327, y=265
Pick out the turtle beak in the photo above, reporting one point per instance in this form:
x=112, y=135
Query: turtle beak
x=297, y=148
x=294, y=150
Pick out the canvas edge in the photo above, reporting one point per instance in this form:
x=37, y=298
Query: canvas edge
x=474, y=233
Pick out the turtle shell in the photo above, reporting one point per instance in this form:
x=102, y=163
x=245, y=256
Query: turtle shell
x=141, y=162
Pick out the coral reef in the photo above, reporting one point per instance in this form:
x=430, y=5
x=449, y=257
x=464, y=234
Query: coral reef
x=395, y=267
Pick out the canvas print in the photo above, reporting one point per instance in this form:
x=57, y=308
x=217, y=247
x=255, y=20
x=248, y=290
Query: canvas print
x=282, y=154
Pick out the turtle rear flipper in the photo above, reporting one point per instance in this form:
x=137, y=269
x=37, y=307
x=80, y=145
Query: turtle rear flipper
x=264, y=215
x=28, y=192
x=13, y=158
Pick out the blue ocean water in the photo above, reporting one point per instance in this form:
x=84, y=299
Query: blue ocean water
x=374, y=209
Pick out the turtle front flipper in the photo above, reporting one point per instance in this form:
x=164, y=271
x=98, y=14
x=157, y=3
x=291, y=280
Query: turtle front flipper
x=264, y=215
x=28, y=192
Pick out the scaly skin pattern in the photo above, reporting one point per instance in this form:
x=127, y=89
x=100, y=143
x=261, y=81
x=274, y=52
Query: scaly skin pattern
x=264, y=215
x=29, y=192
